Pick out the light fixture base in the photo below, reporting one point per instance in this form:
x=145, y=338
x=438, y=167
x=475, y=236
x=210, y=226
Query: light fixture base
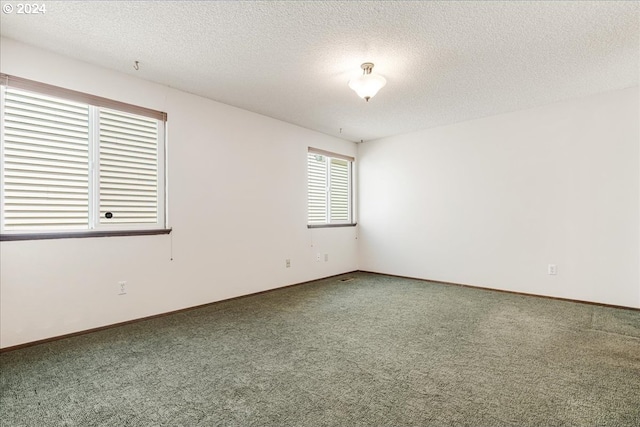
x=367, y=67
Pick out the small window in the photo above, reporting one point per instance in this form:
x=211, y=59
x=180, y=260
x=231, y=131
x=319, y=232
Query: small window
x=74, y=162
x=329, y=188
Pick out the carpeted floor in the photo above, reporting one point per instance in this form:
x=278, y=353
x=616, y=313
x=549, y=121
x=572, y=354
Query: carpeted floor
x=373, y=351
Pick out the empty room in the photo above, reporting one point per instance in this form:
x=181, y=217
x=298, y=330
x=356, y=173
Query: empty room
x=320, y=213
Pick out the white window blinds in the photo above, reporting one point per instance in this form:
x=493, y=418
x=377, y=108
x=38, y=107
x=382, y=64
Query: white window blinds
x=339, y=171
x=69, y=165
x=45, y=163
x=317, y=188
x=128, y=168
x=329, y=188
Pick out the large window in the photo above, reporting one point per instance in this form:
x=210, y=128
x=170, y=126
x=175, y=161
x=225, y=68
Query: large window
x=72, y=162
x=329, y=188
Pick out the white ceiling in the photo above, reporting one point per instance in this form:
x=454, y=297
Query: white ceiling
x=444, y=61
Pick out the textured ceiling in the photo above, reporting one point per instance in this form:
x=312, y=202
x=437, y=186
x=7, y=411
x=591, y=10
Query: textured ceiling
x=444, y=62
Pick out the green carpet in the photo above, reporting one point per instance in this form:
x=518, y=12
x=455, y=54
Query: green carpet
x=373, y=351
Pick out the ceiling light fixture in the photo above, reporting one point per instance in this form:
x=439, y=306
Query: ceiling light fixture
x=368, y=84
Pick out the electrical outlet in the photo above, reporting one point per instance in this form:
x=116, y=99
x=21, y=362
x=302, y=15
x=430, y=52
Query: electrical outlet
x=287, y=263
x=122, y=287
x=552, y=269
x=326, y=257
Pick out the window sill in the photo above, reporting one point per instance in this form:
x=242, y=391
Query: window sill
x=331, y=225
x=81, y=234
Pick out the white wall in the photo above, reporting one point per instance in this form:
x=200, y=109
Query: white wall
x=492, y=202
x=237, y=205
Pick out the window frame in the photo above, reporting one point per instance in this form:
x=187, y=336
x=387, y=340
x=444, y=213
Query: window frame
x=95, y=104
x=350, y=222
